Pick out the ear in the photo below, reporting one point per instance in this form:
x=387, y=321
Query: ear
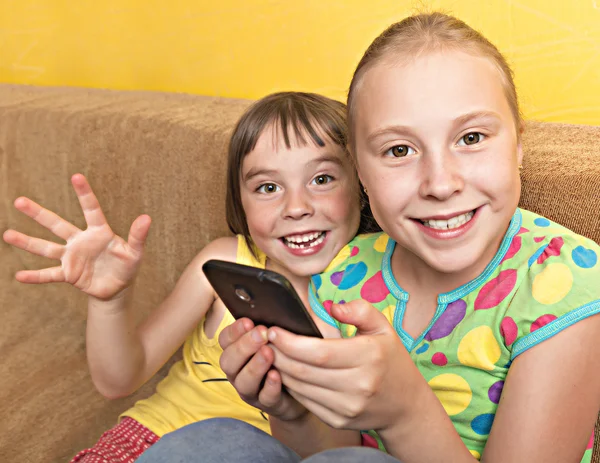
x=520, y=145
x=519, y=154
x=360, y=178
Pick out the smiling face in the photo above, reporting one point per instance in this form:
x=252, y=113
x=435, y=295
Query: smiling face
x=437, y=149
x=301, y=203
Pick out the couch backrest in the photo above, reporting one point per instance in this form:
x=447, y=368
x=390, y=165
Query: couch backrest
x=155, y=153
x=561, y=175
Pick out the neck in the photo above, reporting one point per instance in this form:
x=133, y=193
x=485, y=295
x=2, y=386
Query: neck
x=416, y=276
x=300, y=283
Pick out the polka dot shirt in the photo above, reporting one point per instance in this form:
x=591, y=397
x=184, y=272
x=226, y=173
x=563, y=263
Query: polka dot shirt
x=543, y=279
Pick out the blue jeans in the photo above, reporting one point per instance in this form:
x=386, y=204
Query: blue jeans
x=227, y=440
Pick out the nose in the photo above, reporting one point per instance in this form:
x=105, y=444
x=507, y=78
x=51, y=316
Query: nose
x=298, y=204
x=442, y=177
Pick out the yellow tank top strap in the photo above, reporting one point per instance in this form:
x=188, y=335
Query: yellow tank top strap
x=246, y=257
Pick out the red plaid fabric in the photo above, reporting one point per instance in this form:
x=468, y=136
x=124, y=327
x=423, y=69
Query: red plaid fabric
x=122, y=444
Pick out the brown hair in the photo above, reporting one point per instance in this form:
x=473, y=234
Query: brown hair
x=427, y=32
x=304, y=116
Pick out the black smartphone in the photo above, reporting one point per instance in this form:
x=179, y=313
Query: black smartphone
x=265, y=297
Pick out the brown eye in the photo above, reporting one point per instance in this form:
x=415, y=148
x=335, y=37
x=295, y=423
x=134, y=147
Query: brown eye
x=400, y=151
x=268, y=188
x=471, y=138
x=322, y=179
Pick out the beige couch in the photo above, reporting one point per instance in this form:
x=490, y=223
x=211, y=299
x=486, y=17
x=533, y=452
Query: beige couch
x=161, y=154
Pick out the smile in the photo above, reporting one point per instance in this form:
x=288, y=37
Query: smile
x=450, y=224
x=304, y=241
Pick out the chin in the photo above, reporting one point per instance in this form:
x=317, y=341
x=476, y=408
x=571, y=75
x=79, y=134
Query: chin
x=453, y=263
x=309, y=269
x=303, y=269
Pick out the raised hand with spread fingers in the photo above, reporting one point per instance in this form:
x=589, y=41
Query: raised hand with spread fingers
x=95, y=260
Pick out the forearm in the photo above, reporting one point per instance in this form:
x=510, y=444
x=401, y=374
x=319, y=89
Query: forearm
x=425, y=434
x=114, y=352
x=309, y=435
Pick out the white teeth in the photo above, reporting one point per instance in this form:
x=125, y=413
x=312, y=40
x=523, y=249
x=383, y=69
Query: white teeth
x=302, y=238
x=449, y=224
x=298, y=241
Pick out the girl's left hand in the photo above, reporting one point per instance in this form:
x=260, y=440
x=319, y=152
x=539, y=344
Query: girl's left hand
x=365, y=382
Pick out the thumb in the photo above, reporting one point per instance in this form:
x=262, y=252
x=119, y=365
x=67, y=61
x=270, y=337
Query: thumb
x=360, y=313
x=139, y=232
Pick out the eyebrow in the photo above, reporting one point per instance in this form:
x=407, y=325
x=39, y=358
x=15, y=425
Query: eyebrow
x=270, y=172
x=391, y=129
x=462, y=120
x=459, y=121
x=327, y=158
x=256, y=172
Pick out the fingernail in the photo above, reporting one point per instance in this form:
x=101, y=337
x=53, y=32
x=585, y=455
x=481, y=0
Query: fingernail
x=259, y=335
x=271, y=335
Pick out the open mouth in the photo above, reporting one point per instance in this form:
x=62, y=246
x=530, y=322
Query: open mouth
x=451, y=223
x=304, y=240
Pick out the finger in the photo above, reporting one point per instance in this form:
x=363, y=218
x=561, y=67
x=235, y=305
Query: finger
x=311, y=375
x=46, y=275
x=34, y=245
x=328, y=353
x=139, y=232
x=367, y=319
x=339, y=402
x=235, y=331
x=94, y=217
x=270, y=395
x=326, y=414
x=240, y=352
x=249, y=381
x=47, y=219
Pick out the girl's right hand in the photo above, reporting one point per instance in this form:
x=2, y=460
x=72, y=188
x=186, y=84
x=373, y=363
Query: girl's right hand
x=94, y=260
x=247, y=361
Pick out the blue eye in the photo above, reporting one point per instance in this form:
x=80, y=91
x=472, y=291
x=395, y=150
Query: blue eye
x=268, y=188
x=322, y=179
x=400, y=151
x=472, y=138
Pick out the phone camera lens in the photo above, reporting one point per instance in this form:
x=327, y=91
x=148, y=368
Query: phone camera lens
x=243, y=294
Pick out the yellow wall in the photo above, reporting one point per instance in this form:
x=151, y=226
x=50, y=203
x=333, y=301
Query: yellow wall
x=247, y=48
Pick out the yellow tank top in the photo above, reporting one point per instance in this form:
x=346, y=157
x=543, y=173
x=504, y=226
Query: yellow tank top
x=196, y=388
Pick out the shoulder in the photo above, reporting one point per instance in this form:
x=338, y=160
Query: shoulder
x=559, y=275
x=547, y=243
x=356, y=262
x=365, y=247
x=224, y=248
x=363, y=252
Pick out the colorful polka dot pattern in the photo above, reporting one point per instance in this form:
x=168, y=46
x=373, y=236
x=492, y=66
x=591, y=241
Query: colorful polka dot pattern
x=479, y=349
x=584, y=257
x=509, y=330
x=495, y=391
x=452, y=316
x=496, y=290
x=453, y=391
x=552, y=284
x=545, y=273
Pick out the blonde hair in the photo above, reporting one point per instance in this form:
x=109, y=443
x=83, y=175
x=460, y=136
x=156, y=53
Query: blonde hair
x=429, y=32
